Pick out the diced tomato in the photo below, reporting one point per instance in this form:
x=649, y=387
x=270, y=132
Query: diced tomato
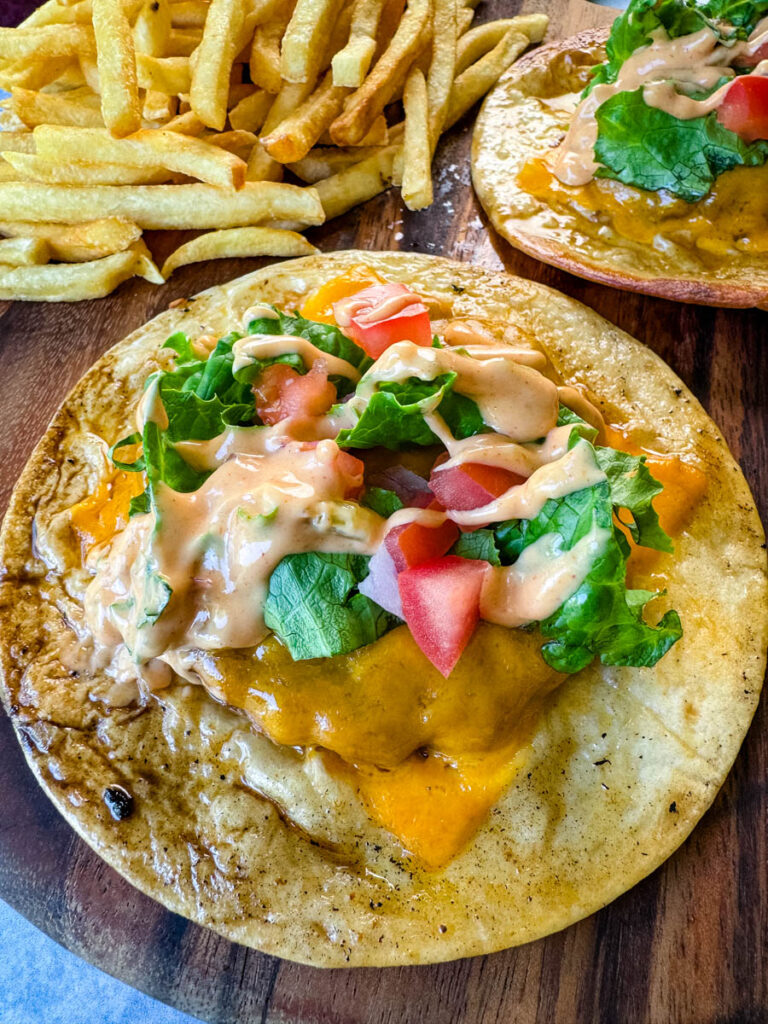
x=753, y=59
x=382, y=315
x=441, y=605
x=744, y=108
x=281, y=393
x=414, y=543
x=471, y=485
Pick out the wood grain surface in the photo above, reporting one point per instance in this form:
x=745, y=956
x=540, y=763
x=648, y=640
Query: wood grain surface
x=689, y=944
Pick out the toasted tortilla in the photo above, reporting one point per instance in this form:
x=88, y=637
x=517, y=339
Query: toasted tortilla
x=262, y=843
x=525, y=116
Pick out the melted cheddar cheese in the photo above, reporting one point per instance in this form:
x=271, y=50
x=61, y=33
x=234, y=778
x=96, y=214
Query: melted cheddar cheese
x=733, y=217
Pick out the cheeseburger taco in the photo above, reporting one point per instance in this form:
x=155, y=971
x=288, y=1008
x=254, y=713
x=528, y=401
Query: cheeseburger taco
x=637, y=157
x=376, y=609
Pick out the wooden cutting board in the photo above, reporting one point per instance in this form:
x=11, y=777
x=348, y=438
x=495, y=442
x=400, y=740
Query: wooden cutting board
x=686, y=945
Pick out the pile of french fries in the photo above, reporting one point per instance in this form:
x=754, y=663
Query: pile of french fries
x=127, y=115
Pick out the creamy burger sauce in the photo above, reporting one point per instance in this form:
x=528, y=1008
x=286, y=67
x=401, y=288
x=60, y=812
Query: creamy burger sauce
x=696, y=62
x=270, y=495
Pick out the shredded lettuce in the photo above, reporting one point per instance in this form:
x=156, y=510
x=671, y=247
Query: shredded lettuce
x=394, y=414
x=602, y=618
x=633, y=28
x=649, y=148
x=382, y=501
x=315, y=608
x=327, y=337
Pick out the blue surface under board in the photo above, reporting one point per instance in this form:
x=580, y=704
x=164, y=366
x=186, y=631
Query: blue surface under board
x=42, y=983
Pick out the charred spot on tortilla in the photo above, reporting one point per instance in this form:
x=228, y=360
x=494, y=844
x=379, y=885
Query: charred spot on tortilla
x=350, y=576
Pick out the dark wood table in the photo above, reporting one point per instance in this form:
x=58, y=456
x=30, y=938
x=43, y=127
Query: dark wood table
x=689, y=944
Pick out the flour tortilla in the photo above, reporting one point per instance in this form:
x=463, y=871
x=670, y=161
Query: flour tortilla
x=515, y=125
x=622, y=765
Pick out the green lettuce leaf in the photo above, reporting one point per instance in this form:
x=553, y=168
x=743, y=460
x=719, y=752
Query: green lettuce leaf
x=382, y=501
x=602, y=618
x=479, y=545
x=633, y=488
x=633, y=28
x=327, y=337
x=649, y=148
x=314, y=607
x=394, y=414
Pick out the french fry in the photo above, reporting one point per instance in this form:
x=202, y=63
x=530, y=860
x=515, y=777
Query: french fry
x=17, y=142
x=291, y=95
x=160, y=207
x=250, y=113
x=480, y=76
x=58, y=14
x=78, y=243
x=323, y=161
x=464, y=19
x=183, y=42
x=350, y=65
x=158, y=107
x=296, y=134
x=305, y=39
x=238, y=142
x=150, y=147
x=33, y=168
x=441, y=70
x=189, y=13
x=417, y=149
x=46, y=42
x=152, y=29
x=171, y=75
x=264, y=64
x=70, y=282
x=116, y=60
x=365, y=105
x=8, y=173
x=225, y=26
x=24, y=252
x=377, y=135
x=238, y=242
x=261, y=166
x=187, y=123
x=90, y=71
x=37, y=108
x=32, y=74
x=479, y=41
x=354, y=185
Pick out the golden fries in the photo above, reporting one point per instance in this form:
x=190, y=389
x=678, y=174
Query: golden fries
x=23, y=252
x=46, y=42
x=70, y=282
x=78, y=243
x=150, y=147
x=351, y=64
x=417, y=153
x=116, y=60
x=152, y=30
x=296, y=134
x=134, y=115
x=171, y=75
x=33, y=168
x=355, y=184
x=305, y=39
x=156, y=207
x=237, y=242
x=35, y=108
x=480, y=76
x=214, y=58
x=380, y=86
